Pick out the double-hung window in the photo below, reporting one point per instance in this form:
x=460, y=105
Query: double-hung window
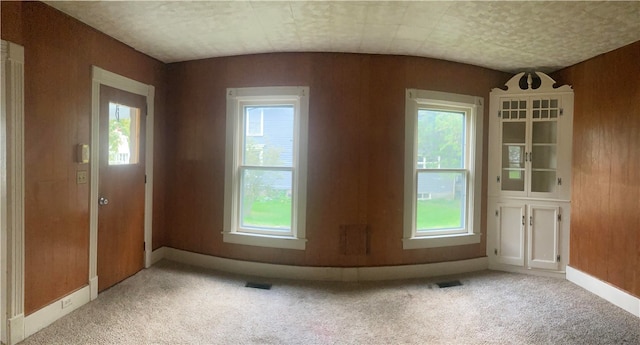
x=443, y=154
x=265, y=180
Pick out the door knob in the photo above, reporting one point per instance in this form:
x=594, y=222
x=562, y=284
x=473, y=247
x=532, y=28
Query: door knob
x=103, y=201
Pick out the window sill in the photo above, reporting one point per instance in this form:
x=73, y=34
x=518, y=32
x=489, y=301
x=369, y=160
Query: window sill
x=269, y=241
x=440, y=241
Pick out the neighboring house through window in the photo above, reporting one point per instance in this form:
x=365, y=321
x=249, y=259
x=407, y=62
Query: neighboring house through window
x=443, y=151
x=265, y=181
x=255, y=122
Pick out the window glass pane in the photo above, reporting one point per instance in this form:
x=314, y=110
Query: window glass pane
x=124, y=134
x=441, y=138
x=266, y=199
x=273, y=146
x=441, y=201
x=254, y=123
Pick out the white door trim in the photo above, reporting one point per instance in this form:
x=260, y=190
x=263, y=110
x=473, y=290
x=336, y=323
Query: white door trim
x=12, y=194
x=3, y=197
x=103, y=77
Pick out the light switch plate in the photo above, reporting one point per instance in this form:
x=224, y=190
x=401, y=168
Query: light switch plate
x=81, y=177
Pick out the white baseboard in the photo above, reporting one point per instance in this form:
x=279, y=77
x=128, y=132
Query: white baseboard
x=158, y=255
x=93, y=288
x=523, y=270
x=322, y=273
x=47, y=315
x=605, y=290
x=16, y=329
x=422, y=270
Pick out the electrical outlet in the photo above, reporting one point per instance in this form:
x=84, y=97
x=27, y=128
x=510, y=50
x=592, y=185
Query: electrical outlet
x=81, y=177
x=66, y=302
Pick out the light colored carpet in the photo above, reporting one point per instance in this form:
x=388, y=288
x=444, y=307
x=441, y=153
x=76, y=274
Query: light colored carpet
x=172, y=303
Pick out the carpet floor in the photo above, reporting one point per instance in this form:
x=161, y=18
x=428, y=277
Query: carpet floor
x=172, y=303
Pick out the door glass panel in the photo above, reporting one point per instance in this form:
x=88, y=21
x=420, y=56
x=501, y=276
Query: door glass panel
x=124, y=134
x=513, y=180
x=441, y=201
x=513, y=132
x=543, y=157
x=545, y=132
x=543, y=181
x=513, y=155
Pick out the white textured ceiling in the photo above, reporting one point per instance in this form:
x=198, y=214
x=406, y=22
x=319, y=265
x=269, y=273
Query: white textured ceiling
x=506, y=36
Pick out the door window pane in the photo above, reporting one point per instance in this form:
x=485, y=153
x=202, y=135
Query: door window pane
x=266, y=199
x=441, y=201
x=441, y=138
x=124, y=134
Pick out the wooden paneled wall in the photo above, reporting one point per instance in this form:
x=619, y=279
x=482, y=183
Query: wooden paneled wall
x=605, y=217
x=356, y=140
x=59, y=52
x=356, y=143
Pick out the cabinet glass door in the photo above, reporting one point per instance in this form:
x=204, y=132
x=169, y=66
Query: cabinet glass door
x=544, y=134
x=514, y=131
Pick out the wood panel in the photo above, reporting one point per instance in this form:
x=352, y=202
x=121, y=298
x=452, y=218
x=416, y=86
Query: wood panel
x=59, y=52
x=11, y=21
x=356, y=150
x=605, y=225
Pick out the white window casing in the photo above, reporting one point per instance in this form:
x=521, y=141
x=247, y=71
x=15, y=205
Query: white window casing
x=472, y=107
x=236, y=131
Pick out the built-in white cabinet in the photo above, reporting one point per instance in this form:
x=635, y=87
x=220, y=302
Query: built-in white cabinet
x=529, y=184
x=528, y=235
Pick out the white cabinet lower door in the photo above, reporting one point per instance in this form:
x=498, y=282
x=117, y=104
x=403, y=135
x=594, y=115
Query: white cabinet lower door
x=543, y=237
x=510, y=239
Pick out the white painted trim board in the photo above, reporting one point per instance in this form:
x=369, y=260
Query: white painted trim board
x=321, y=273
x=12, y=191
x=54, y=311
x=605, y=290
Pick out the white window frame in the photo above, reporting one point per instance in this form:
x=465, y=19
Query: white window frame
x=297, y=96
x=473, y=107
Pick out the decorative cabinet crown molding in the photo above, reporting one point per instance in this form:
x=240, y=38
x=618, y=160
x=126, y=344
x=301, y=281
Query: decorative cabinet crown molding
x=531, y=82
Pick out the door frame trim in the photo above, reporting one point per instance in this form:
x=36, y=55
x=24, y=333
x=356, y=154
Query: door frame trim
x=12, y=203
x=104, y=77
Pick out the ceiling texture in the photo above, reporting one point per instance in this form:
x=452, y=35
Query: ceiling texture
x=501, y=35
